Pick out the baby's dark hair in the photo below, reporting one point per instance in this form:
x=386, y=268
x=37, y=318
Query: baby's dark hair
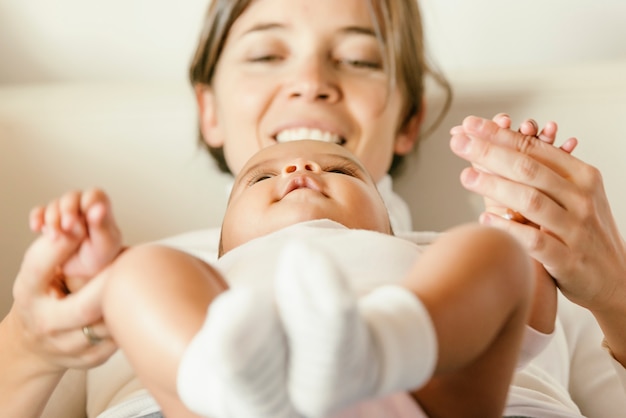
x=399, y=30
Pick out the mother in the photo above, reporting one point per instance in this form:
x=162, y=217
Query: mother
x=349, y=71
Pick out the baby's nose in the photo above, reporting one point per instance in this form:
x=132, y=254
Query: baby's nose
x=301, y=164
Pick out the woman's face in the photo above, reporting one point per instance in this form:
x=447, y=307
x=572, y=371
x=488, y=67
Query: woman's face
x=301, y=69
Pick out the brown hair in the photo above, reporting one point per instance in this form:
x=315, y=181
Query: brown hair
x=398, y=25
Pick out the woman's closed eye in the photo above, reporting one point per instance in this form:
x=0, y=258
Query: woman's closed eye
x=359, y=52
x=361, y=64
x=269, y=58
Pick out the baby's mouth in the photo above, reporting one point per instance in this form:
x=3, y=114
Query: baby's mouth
x=299, y=134
x=302, y=182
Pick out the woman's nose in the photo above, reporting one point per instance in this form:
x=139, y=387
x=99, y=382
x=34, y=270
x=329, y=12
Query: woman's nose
x=301, y=164
x=314, y=80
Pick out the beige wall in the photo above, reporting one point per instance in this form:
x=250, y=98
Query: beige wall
x=78, y=40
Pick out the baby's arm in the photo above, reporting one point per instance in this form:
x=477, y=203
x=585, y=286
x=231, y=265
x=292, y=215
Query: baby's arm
x=543, y=312
x=87, y=218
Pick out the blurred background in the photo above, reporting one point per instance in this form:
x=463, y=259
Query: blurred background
x=77, y=40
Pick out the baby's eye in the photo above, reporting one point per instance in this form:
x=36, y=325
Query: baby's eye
x=342, y=170
x=258, y=178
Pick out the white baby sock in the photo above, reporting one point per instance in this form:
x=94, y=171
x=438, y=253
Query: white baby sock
x=343, y=350
x=235, y=367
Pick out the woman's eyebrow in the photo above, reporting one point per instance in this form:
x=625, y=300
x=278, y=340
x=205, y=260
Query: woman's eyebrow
x=267, y=26
x=359, y=30
x=261, y=27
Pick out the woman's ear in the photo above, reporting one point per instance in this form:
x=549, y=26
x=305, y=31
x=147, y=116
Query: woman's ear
x=409, y=134
x=209, y=127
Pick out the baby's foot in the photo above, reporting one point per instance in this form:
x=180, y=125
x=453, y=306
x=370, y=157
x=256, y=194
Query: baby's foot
x=343, y=350
x=85, y=217
x=236, y=365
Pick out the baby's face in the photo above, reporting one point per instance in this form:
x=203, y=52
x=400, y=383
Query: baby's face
x=293, y=182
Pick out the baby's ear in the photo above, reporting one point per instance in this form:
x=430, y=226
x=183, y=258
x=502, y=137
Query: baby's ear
x=409, y=133
x=209, y=126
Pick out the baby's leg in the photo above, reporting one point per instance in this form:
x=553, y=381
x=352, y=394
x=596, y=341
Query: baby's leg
x=343, y=350
x=241, y=355
x=156, y=303
x=155, y=300
x=86, y=217
x=476, y=283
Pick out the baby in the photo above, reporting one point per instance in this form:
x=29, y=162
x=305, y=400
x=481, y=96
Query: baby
x=314, y=304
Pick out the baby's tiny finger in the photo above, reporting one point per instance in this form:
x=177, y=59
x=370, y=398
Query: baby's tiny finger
x=529, y=127
x=569, y=145
x=503, y=120
x=548, y=133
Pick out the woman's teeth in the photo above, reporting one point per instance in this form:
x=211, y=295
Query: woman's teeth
x=306, y=133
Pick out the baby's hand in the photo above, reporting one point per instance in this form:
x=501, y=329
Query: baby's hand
x=531, y=128
x=86, y=218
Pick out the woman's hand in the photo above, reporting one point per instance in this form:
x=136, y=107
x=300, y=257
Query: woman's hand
x=56, y=320
x=48, y=321
x=43, y=334
x=577, y=239
x=57, y=292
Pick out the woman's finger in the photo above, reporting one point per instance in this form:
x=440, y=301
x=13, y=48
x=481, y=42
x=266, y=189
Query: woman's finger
x=517, y=168
x=80, y=308
x=40, y=264
x=533, y=204
x=541, y=245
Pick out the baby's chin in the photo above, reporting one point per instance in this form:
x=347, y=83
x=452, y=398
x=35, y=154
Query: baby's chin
x=302, y=219
x=269, y=228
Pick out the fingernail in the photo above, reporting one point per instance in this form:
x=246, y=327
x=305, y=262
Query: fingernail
x=472, y=122
x=460, y=144
x=469, y=177
x=484, y=219
x=456, y=130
